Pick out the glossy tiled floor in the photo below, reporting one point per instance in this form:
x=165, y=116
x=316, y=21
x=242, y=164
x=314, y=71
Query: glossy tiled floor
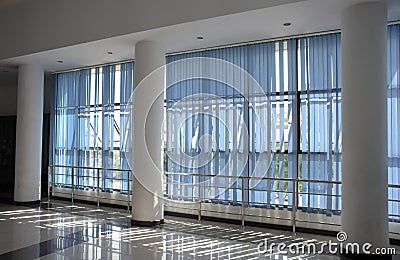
x=61, y=231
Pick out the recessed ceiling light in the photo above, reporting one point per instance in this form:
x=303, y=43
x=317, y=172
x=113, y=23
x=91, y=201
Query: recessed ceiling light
x=109, y=53
x=199, y=37
x=287, y=24
x=60, y=61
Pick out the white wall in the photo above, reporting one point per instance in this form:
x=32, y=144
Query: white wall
x=47, y=93
x=8, y=100
x=8, y=97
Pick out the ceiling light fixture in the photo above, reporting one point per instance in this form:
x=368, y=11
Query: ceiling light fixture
x=287, y=24
x=199, y=37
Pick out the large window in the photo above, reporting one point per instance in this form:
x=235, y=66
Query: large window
x=292, y=124
x=90, y=118
x=269, y=112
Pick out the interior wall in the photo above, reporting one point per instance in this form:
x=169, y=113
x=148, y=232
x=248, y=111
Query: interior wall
x=8, y=97
x=8, y=117
x=8, y=100
x=46, y=133
x=7, y=157
x=47, y=93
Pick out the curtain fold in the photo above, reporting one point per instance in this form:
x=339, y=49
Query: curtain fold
x=126, y=110
x=320, y=109
x=83, y=152
x=108, y=121
x=393, y=108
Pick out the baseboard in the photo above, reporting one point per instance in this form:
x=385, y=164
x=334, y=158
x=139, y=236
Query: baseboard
x=109, y=205
x=146, y=223
x=34, y=203
x=253, y=224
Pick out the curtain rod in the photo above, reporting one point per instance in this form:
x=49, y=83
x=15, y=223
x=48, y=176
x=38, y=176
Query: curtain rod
x=221, y=46
x=93, y=66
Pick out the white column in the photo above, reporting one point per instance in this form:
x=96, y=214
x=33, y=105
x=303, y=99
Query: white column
x=28, y=155
x=364, y=115
x=148, y=111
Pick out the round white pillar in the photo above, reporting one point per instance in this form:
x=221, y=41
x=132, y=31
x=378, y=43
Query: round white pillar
x=148, y=111
x=28, y=155
x=364, y=115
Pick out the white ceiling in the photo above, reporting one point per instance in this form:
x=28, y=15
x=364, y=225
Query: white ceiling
x=10, y=3
x=306, y=17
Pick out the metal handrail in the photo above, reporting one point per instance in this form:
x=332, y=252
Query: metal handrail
x=295, y=192
x=51, y=181
x=89, y=168
x=252, y=177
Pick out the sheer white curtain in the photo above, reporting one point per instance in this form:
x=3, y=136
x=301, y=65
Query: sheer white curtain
x=297, y=117
x=320, y=122
x=393, y=104
x=267, y=117
x=90, y=117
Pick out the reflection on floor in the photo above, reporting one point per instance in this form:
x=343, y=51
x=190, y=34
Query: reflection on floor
x=59, y=231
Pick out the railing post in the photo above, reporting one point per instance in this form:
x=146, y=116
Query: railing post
x=129, y=193
x=73, y=186
x=48, y=184
x=242, y=208
x=98, y=187
x=294, y=206
x=199, y=198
